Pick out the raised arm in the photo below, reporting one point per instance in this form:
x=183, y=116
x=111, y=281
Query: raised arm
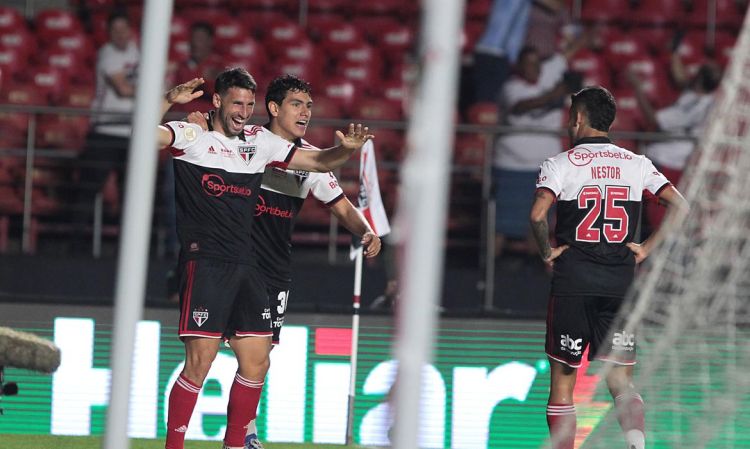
x=645, y=106
x=332, y=158
x=543, y=200
x=677, y=210
x=355, y=222
x=181, y=94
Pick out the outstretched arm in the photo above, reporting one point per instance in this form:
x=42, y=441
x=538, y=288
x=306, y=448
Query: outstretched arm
x=355, y=222
x=181, y=94
x=332, y=158
x=645, y=106
x=543, y=200
x=677, y=210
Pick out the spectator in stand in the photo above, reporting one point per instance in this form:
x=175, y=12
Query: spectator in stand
x=204, y=61
x=686, y=116
x=533, y=98
x=107, y=141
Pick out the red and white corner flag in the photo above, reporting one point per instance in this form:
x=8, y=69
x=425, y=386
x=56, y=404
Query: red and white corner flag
x=370, y=201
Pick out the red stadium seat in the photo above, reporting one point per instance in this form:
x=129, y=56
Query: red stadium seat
x=12, y=64
x=483, y=113
x=302, y=50
x=593, y=67
x=386, y=8
x=63, y=60
x=390, y=143
x=280, y=34
x=52, y=133
x=227, y=31
x=478, y=9
x=730, y=13
x=692, y=50
x=394, y=41
x=318, y=23
x=321, y=136
x=471, y=33
x=339, y=37
x=248, y=50
x=327, y=6
x=394, y=91
x=20, y=40
x=179, y=28
x=79, y=43
x=605, y=10
x=341, y=90
x=362, y=75
x=11, y=20
x=724, y=46
x=309, y=71
x=658, y=12
x=324, y=107
x=622, y=48
x=373, y=26
x=11, y=202
x=53, y=23
x=364, y=53
x=376, y=109
x=470, y=149
x=656, y=38
x=50, y=82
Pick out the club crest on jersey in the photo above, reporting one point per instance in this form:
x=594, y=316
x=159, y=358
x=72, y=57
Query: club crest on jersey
x=301, y=175
x=247, y=152
x=200, y=315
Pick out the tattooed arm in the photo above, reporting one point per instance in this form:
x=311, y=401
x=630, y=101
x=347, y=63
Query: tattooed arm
x=543, y=200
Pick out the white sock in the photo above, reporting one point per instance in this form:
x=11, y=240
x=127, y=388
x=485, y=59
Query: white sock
x=635, y=439
x=251, y=429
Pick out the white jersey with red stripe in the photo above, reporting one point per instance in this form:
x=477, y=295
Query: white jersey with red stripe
x=599, y=188
x=217, y=183
x=282, y=196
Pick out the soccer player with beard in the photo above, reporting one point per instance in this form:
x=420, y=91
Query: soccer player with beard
x=289, y=106
x=222, y=294
x=598, y=187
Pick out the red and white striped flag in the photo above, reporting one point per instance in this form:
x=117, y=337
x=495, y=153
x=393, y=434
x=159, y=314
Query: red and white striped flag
x=370, y=201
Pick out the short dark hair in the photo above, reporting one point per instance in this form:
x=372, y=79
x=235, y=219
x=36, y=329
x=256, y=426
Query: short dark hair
x=205, y=26
x=116, y=15
x=234, y=77
x=598, y=104
x=279, y=86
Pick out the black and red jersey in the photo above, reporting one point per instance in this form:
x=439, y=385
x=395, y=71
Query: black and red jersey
x=599, y=188
x=282, y=194
x=217, y=183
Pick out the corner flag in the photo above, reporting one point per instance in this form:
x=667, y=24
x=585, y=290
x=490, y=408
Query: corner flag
x=370, y=201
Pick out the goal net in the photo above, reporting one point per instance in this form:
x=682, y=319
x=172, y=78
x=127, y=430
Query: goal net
x=691, y=303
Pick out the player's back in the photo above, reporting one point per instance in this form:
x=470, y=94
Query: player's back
x=599, y=188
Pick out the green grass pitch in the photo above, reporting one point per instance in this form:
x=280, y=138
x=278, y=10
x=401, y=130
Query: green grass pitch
x=64, y=442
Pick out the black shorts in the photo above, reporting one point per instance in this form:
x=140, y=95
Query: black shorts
x=575, y=322
x=278, y=297
x=221, y=299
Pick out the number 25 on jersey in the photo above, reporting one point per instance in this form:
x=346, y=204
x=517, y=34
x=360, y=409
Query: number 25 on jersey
x=615, y=229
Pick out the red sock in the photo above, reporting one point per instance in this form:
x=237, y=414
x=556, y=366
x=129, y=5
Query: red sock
x=243, y=404
x=629, y=408
x=561, y=419
x=182, y=401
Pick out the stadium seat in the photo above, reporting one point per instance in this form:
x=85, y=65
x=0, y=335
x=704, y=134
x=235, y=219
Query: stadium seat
x=339, y=37
x=11, y=20
x=362, y=75
x=280, y=34
x=370, y=108
x=621, y=48
x=11, y=203
x=470, y=149
x=20, y=40
x=313, y=213
x=394, y=41
x=478, y=9
x=394, y=91
x=390, y=143
x=692, y=50
x=12, y=64
x=324, y=107
x=658, y=12
x=593, y=66
x=321, y=136
x=248, y=50
x=317, y=23
x=483, y=113
x=63, y=60
x=179, y=28
x=373, y=26
x=724, y=46
x=302, y=50
x=657, y=39
x=13, y=125
x=79, y=43
x=57, y=134
x=729, y=13
x=328, y=6
x=341, y=90
x=309, y=71
x=53, y=23
x=50, y=82
x=471, y=33
x=227, y=31
x=605, y=10
x=364, y=53
x=391, y=8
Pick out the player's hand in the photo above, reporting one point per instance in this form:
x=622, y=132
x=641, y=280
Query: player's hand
x=371, y=244
x=183, y=93
x=198, y=118
x=639, y=251
x=355, y=137
x=554, y=254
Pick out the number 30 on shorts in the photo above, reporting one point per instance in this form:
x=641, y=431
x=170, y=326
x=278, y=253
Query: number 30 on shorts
x=616, y=232
x=283, y=298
